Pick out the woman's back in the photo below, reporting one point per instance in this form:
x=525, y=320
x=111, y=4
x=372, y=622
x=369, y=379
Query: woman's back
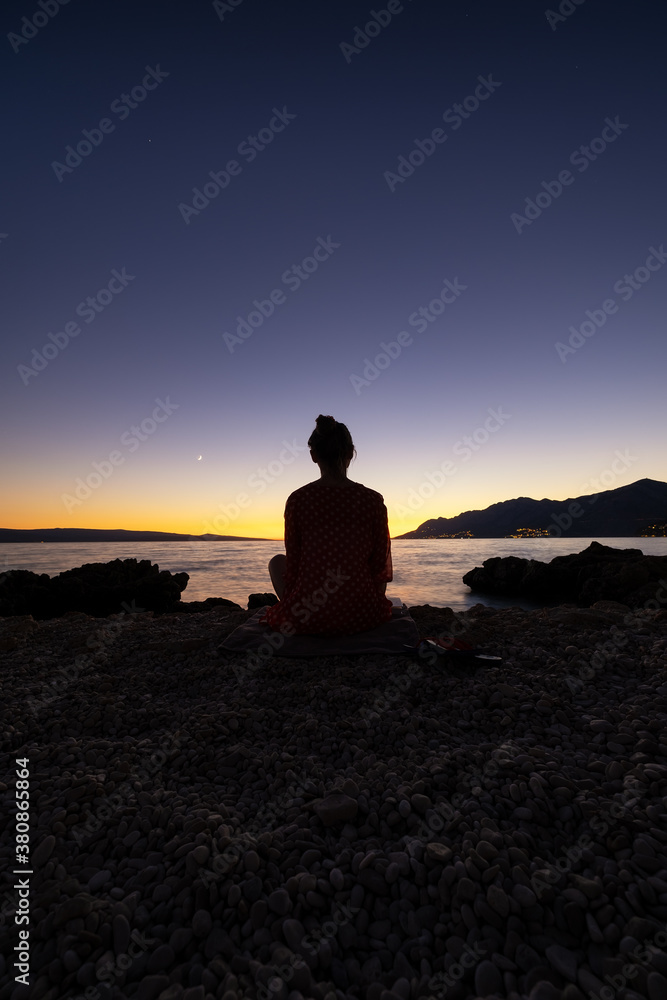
x=338, y=560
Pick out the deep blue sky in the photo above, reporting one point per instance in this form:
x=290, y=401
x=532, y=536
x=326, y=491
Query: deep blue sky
x=568, y=415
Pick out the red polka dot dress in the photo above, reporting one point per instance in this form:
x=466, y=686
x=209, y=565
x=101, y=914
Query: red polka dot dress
x=338, y=555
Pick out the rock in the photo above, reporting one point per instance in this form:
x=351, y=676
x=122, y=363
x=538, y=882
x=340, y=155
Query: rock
x=336, y=808
x=160, y=960
x=197, y=607
x=656, y=986
x=279, y=902
x=98, y=880
x=337, y=879
x=488, y=978
x=77, y=906
x=597, y=575
x=180, y=939
x=524, y=896
x=151, y=986
x=96, y=589
x=43, y=851
x=544, y=990
x=251, y=861
x=438, y=852
x=563, y=961
x=294, y=933
x=202, y=923
x=591, y=888
x=497, y=900
x=466, y=889
x=261, y=600
x=121, y=933
x=252, y=889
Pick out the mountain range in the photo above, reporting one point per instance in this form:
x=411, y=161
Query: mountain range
x=110, y=535
x=625, y=512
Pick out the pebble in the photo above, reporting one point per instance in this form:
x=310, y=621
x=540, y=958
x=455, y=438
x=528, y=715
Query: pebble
x=279, y=902
x=43, y=851
x=121, y=933
x=497, y=900
x=342, y=822
x=488, y=978
x=294, y=933
x=252, y=888
x=97, y=881
x=544, y=990
x=656, y=986
x=336, y=808
x=202, y=923
x=563, y=960
x=337, y=879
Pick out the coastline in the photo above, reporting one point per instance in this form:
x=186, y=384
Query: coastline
x=350, y=824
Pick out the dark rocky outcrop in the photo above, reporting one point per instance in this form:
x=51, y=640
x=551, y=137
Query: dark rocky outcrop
x=201, y=607
x=598, y=573
x=260, y=600
x=97, y=589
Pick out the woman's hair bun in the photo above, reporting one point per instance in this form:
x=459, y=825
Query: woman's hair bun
x=325, y=425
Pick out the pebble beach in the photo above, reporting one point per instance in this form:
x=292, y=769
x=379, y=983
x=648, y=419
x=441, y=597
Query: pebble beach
x=374, y=827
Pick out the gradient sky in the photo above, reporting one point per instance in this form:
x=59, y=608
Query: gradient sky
x=570, y=423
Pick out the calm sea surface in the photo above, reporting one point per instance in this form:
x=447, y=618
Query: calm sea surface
x=425, y=572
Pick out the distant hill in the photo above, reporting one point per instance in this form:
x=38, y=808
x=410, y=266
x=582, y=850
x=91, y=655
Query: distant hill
x=625, y=512
x=110, y=535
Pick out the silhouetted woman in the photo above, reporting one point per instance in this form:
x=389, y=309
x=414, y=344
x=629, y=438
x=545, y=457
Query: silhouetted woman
x=333, y=577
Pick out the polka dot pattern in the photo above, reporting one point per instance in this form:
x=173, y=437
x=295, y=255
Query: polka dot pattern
x=338, y=554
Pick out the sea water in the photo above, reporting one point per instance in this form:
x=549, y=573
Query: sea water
x=426, y=571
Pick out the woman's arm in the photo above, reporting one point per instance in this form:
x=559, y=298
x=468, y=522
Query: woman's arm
x=292, y=546
x=380, y=561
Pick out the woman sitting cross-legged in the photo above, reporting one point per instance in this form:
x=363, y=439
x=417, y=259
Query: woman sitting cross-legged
x=337, y=562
